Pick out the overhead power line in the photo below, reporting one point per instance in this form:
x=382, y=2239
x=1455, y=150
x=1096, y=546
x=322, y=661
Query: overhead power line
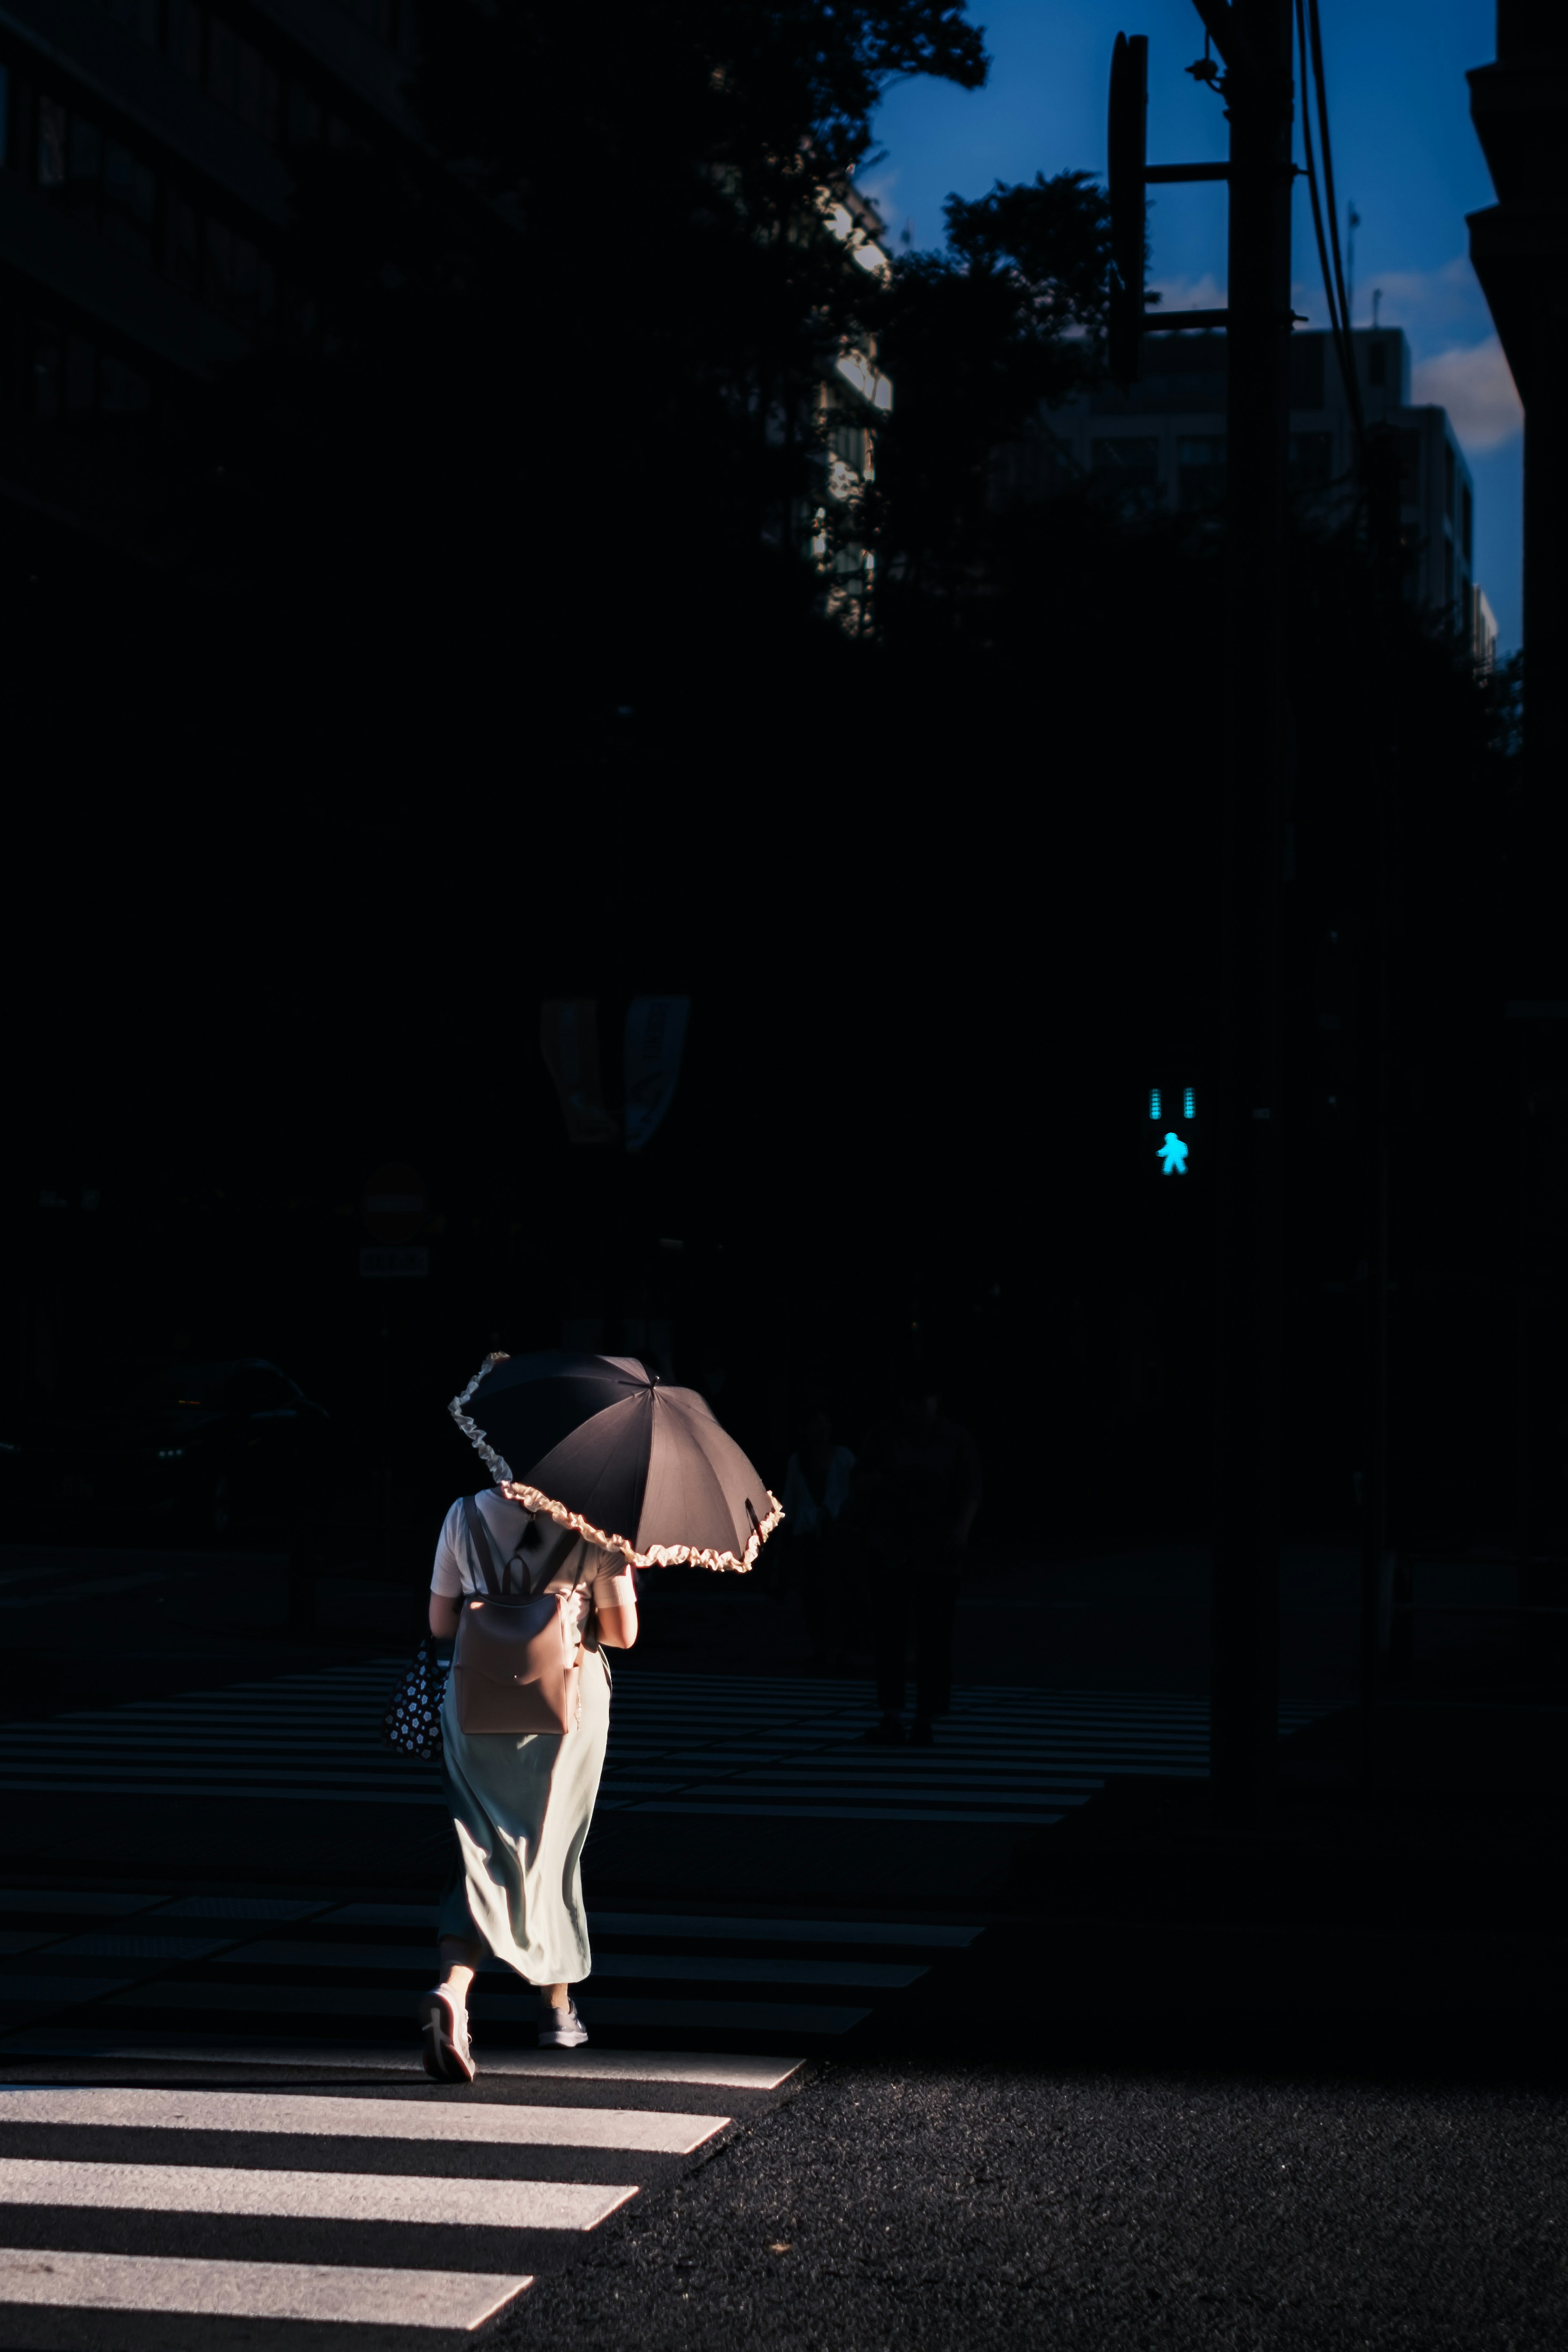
x=1314, y=82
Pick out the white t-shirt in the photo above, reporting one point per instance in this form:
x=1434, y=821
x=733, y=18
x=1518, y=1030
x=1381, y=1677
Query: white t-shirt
x=602, y=1578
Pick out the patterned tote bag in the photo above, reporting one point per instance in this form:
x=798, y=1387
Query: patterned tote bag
x=412, y=1724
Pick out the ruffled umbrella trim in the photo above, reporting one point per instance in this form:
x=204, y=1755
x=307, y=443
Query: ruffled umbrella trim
x=533, y=1499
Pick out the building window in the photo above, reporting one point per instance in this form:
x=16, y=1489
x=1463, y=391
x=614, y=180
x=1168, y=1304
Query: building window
x=121, y=390
x=81, y=376
x=1467, y=521
x=222, y=63
x=1200, y=473
x=71, y=379
x=130, y=196
x=1311, y=460
x=47, y=375
x=238, y=282
x=259, y=93
x=84, y=167
x=849, y=442
x=182, y=246
x=304, y=117
x=51, y=144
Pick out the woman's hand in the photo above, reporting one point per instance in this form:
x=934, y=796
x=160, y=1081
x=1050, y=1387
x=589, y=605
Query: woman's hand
x=618, y=1627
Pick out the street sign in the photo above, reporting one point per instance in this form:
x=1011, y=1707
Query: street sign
x=1171, y=1131
x=569, y=1041
x=656, y=1031
x=393, y=1202
x=394, y=1264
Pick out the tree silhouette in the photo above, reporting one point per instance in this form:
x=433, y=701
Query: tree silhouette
x=978, y=338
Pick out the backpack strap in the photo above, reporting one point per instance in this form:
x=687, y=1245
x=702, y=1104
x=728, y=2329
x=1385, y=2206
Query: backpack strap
x=540, y=1566
x=479, y=1544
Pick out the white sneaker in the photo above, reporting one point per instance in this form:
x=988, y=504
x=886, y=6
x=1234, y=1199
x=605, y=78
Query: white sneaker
x=564, y=2031
x=444, y=2029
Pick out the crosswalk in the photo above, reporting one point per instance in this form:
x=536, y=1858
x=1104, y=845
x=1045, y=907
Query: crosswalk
x=753, y=1747
x=374, y=2214
x=214, y=2130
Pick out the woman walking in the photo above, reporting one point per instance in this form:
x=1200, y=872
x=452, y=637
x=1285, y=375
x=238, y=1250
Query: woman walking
x=619, y=1473
x=521, y=1801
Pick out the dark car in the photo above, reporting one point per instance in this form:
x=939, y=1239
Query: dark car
x=201, y=1446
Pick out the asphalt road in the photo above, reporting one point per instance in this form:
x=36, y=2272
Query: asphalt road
x=1006, y=2155
x=904, y=2204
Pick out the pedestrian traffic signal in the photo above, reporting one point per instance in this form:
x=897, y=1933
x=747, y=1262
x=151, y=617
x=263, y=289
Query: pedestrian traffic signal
x=1171, y=1131
x=1126, y=148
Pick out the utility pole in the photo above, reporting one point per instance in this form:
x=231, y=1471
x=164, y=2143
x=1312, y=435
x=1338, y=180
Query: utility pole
x=1254, y=37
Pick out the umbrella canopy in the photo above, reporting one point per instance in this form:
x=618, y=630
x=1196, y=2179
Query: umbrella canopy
x=598, y=1445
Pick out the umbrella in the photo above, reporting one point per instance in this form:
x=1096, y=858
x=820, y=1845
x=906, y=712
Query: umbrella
x=601, y=1446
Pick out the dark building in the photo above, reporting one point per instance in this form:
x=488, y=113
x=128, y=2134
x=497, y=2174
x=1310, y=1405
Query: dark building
x=1519, y=248
x=145, y=154
x=1165, y=440
x=147, y=149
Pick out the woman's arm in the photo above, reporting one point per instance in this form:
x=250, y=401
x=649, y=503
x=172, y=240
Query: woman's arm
x=618, y=1627
x=446, y=1608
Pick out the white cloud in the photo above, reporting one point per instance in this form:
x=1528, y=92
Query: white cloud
x=1205, y=293
x=1431, y=305
x=1472, y=381
x=1437, y=308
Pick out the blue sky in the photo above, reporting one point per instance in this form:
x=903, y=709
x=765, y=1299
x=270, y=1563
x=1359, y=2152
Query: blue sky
x=1404, y=152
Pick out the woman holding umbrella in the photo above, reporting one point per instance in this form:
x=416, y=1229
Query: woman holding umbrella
x=533, y=1578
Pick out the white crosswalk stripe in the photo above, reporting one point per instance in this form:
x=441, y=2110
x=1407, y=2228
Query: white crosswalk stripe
x=472, y=2194
x=455, y=2301
x=768, y=1748
x=309, y=2196
x=346, y=2118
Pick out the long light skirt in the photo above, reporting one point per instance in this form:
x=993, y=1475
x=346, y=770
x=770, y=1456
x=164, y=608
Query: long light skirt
x=522, y=1804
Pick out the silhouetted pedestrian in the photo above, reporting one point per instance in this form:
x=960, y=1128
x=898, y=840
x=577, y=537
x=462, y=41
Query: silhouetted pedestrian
x=917, y=1489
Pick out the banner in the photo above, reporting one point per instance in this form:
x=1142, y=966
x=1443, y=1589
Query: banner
x=569, y=1040
x=656, y=1033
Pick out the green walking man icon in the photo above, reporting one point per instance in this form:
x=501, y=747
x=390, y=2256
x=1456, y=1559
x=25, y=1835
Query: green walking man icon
x=1174, y=1152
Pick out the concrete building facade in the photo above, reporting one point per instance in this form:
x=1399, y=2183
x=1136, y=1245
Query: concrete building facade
x=1163, y=441
x=145, y=150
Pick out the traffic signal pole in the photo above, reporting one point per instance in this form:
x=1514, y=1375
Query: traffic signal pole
x=1254, y=75
x=1254, y=37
